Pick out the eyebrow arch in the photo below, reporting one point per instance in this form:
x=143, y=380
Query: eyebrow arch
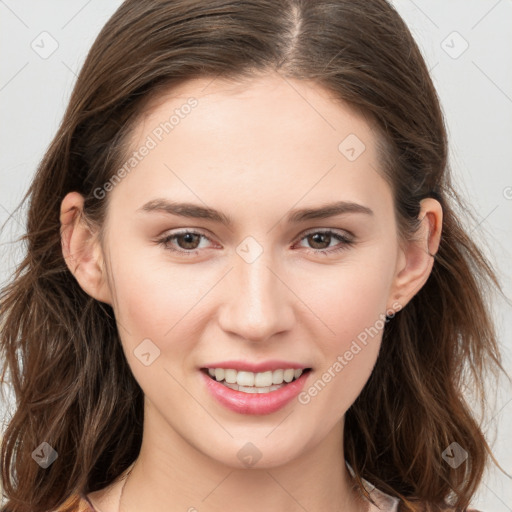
x=326, y=211
x=191, y=210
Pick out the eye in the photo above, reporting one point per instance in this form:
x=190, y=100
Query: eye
x=187, y=242
x=323, y=238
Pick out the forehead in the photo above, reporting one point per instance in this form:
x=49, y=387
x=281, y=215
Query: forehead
x=261, y=137
x=232, y=106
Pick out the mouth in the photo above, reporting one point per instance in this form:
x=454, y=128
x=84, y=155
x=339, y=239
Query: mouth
x=255, y=383
x=246, y=392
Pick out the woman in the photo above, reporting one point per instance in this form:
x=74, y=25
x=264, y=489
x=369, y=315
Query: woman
x=246, y=282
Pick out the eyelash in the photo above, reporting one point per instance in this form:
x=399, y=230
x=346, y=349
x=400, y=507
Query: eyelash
x=346, y=242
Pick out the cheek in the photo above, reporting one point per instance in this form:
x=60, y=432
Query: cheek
x=148, y=306
x=348, y=357
x=157, y=322
x=350, y=353
x=353, y=306
x=350, y=298
x=153, y=300
x=164, y=303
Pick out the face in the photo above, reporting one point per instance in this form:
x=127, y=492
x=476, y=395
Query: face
x=277, y=286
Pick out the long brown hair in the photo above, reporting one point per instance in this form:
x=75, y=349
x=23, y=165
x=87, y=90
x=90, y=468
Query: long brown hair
x=74, y=389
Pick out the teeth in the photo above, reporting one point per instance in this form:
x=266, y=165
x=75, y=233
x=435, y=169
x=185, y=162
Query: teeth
x=230, y=376
x=277, y=376
x=257, y=382
x=244, y=378
x=253, y=389
x=288, y=375
x=263, y=380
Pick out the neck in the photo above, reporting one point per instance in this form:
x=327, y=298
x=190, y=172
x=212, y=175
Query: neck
x=172, y=475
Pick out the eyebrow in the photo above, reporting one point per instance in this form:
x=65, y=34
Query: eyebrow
x=195, y=211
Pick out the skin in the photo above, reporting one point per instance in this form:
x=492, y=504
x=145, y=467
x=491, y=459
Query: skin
x=273, y=145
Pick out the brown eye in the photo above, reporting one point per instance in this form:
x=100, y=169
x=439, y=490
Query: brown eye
x=320, y=242
x=190, y=240
x=184, y=243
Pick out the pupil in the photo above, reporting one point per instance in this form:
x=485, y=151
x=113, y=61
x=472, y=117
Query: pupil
x=317, y=241
x=188, y=238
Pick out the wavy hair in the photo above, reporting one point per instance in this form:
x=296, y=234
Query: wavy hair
x=60, y=347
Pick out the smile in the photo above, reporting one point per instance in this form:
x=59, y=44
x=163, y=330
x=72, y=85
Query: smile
x=254, y=393
x=251, y=382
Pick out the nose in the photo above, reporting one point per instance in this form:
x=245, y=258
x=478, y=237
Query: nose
x=258, y=303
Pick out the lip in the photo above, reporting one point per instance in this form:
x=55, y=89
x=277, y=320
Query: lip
x=264, y=366
x=251, y=403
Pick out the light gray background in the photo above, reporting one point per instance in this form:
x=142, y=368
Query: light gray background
x=474, y=84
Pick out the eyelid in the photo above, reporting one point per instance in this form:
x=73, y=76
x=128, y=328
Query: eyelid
x=346, y=239
x=199, y=231
x=338, y=231
x=183, y=231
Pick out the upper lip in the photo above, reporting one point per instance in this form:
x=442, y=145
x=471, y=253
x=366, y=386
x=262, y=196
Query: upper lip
x=263, y=366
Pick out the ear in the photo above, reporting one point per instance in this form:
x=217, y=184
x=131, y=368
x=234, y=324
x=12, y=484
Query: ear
x=416, y=259
x=81, y=249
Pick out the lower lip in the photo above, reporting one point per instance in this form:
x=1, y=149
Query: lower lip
x=252, y=403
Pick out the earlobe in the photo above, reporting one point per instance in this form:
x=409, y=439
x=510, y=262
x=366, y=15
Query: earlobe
x=417, y=258
x=81, y=249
